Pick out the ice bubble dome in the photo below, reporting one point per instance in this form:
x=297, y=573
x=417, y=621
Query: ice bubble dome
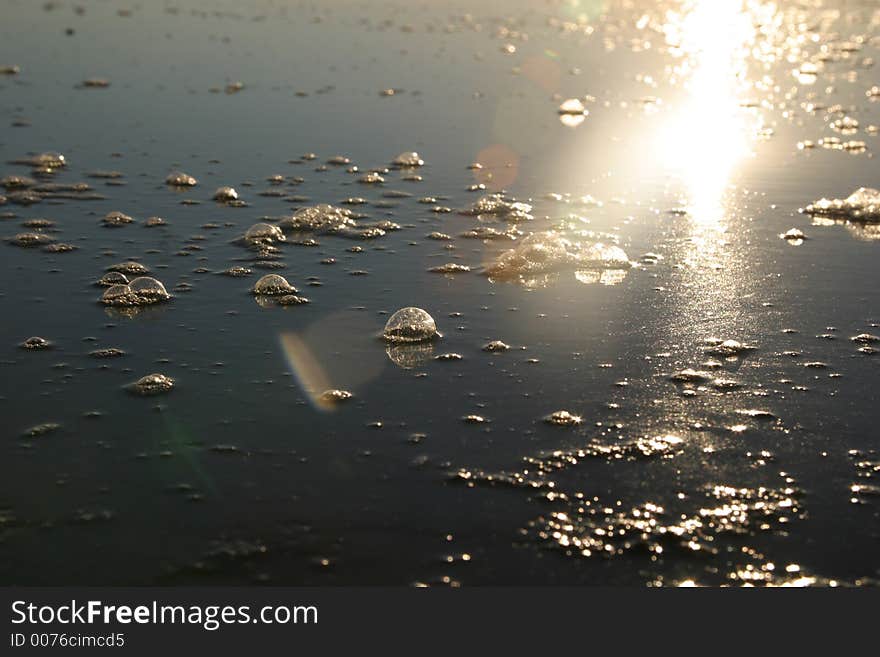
x=142, y=291
x=410, y=324
x=273, y=284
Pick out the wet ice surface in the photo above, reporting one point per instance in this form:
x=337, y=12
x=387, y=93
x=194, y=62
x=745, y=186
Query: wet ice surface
x=639, y=380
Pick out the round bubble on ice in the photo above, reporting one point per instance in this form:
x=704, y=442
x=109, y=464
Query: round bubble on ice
x=273, y=284
x=410, y=325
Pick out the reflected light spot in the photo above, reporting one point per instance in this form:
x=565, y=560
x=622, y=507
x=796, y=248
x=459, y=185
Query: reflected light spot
x=709, y=132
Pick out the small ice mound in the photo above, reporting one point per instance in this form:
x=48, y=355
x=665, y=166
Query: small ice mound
x=151, y=384
x=35, y=343
x=563, y=419
x=30, y=240
x=142, y=291
x=496, y=346
x=497, y=205
x=48, y=160
x=115, y=219
x=225, y=194
x=548, y=252
x=40, y=430
x=108, y=352
x=262, y=233
x=862, y=205
x=794, y=236
x=95, y=83
x=726, y=348
x=292, y=300
x=450, y=268
x=59, y=247
x=410, y=325
x=17, y=182
x=335, y=396
x=180, y=179
x=237, y=272
x=408, y=160
x=273, y=285
x=689, y=375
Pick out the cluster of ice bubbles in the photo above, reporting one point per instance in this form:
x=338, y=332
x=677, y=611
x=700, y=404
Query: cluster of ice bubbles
x=500, y=207
x=321, y=218
x=541, y=255
x=332, y=220
x=142, y=291
x=862, y=205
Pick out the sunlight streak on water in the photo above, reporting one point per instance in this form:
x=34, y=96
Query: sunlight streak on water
x=709, y=134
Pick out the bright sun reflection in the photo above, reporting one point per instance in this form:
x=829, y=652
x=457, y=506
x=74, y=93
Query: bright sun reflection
x=709, y=133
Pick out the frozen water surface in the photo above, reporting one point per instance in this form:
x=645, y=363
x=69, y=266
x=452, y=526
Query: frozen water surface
x=685, y=281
